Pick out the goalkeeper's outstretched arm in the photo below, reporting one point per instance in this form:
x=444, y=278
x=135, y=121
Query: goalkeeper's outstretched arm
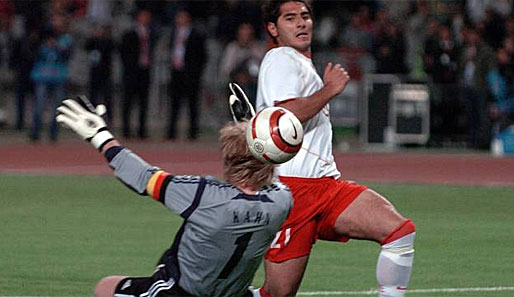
x=129, y=168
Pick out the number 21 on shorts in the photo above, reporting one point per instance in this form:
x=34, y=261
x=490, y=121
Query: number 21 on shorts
x=281, y=239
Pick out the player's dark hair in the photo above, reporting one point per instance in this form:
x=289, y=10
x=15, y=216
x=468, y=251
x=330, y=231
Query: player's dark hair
x=239, y=165
x=271, y=12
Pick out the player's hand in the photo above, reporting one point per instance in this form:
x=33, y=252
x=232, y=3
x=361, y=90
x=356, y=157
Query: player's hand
x=88, y=125
x=240, y=107
x=335, y=78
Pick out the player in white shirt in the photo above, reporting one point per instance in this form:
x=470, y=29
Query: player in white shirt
x=326, y=206
x=285, y=74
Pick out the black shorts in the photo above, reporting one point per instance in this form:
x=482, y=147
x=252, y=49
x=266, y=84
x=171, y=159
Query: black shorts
x=157, y=285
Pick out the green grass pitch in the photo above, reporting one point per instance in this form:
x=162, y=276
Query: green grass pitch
x=60, y=235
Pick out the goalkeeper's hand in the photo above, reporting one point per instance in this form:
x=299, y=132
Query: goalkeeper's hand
x=240, y=107
x=88, y=125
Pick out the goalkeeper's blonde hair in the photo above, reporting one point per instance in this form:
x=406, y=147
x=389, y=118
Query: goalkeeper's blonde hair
x=240, y=166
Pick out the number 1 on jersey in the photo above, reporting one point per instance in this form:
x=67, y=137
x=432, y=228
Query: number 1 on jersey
x=241, y=243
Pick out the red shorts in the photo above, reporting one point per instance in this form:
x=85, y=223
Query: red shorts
x=317, y=204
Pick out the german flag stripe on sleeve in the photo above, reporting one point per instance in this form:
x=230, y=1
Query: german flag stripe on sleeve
x=156, y=184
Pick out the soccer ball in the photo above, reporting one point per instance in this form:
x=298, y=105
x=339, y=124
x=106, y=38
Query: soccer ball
x=274, y=135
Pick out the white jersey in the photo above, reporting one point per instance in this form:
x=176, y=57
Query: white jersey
x=285, y=74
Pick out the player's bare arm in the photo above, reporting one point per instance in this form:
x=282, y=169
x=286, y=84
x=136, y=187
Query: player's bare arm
x=293, y=28
x=335, y=79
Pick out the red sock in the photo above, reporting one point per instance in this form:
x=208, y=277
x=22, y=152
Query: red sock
x=400, y=231
x=263, y=292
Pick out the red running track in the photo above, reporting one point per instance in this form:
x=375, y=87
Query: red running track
x=77, y=158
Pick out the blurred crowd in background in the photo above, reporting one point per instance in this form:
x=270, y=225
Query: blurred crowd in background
x=154, y=62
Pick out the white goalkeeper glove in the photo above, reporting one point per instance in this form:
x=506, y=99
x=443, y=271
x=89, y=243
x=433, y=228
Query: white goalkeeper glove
x=240, y=107
x=88, y=125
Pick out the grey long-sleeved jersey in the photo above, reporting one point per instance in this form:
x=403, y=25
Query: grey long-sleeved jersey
x=225, y=232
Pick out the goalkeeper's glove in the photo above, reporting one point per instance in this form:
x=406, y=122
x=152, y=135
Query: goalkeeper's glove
x=87, y=124
x=240, y=107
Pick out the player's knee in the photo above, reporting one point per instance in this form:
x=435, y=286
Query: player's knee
x=100, y=287
x=106, y=286
x=399, y=245
x=405, y=228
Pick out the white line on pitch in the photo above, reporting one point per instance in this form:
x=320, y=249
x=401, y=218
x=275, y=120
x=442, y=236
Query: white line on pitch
x=368, y=292
x=413, y=291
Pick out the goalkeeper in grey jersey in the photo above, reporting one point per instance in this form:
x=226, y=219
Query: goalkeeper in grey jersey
x=227, y=225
